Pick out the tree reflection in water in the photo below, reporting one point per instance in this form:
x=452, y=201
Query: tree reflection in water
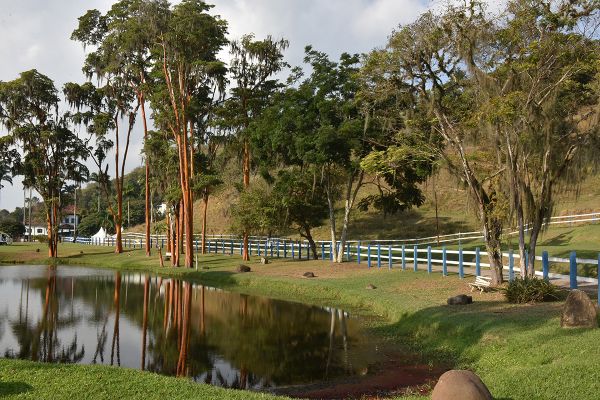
x=39, y=341
x=181, y=329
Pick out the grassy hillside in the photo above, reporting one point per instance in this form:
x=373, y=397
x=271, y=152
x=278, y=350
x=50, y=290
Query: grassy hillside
x=455, y=211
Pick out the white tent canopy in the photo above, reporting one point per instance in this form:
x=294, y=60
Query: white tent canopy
x=100, y=235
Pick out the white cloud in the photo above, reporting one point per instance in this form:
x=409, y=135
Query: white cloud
x=35, y=34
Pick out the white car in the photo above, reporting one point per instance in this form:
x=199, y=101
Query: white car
x=5, y=239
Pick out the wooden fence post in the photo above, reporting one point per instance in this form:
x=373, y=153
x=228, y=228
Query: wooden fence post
x=369, y=255
x=477, y=262
x=378, y=255
x=358, y=251
x=390, y=256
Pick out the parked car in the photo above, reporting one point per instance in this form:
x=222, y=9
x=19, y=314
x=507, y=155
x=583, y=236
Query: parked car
x=5, y=239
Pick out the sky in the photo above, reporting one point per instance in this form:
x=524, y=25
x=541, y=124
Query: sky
x=35, y=34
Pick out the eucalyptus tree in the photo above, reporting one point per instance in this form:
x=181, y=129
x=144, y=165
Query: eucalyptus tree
x=52, y=155
x=162, y=154
x=122, y=39
x=187, y=70
x=253, y=64
x=100, y=109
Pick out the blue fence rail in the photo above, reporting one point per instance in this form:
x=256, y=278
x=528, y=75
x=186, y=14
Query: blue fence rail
x=461, y=262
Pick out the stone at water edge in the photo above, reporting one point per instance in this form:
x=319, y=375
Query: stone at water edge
x=370, y=286
x=461, y=299
x=460, y=385
x=243, y=268
x=579, y=311
x=308, y=275
x=264, y=260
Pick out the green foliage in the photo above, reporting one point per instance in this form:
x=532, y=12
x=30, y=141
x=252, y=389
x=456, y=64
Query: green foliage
x=531, y=290
x=91, y=223
x=12, y=227
x=255, y=212
x=301, y=200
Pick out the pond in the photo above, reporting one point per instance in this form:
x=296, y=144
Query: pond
x=173, y=327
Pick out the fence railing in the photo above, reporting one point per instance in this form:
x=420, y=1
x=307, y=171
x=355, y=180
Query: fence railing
x=460, y=262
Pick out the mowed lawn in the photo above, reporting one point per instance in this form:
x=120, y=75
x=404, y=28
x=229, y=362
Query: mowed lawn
x=520, y=351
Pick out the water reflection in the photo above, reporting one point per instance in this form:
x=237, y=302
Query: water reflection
x=176, y=328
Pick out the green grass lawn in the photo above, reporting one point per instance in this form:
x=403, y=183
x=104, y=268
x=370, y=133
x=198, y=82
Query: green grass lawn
x=519, y=350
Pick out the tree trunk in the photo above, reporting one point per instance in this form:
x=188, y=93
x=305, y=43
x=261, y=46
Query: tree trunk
x=522, y=245
x=147, y=210
x=189, y=230
x=50, y=233
x=311, y=242
x=204, y=211
x=119, y=225
x=330, y=204
x=246, y=170
x=536, y=228
x=177, y=236
x=492, y=233
x=349, y=203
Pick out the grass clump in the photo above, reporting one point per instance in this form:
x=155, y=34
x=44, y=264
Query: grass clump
x=531, y=290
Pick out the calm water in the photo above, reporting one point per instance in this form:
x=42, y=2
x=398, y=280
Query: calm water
x=169, y=326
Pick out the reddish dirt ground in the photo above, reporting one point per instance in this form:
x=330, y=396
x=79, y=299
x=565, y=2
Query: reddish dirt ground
x=397, y=375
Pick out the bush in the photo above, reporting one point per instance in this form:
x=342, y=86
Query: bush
x=531, y=290
x=41, y=238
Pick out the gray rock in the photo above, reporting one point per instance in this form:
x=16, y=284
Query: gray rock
x=370, y=286
x=460, y=385
x=264, y=260
x=308, y=275
x=579, y=311
x=243, y=268
x=460, y=300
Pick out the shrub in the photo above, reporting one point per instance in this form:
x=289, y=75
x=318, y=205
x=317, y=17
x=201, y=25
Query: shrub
x=531, y=290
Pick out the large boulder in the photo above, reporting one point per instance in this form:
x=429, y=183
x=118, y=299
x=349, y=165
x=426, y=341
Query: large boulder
x=579, y=311
x=461, y=299
x=308, y=275
x=243, y=268
x=460, y=385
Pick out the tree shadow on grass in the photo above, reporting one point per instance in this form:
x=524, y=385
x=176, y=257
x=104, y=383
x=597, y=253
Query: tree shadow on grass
x=13, y=388
x=450, y=334
x=559, y=240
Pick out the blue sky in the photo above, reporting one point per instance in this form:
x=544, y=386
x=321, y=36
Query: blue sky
x=35, y=34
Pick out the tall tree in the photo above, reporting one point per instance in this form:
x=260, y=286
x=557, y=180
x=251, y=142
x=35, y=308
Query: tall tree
x=186, y=72
x=536, y=76
x=52, y=154
x=422, y=62
x=253, y=64
x=122, y=38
